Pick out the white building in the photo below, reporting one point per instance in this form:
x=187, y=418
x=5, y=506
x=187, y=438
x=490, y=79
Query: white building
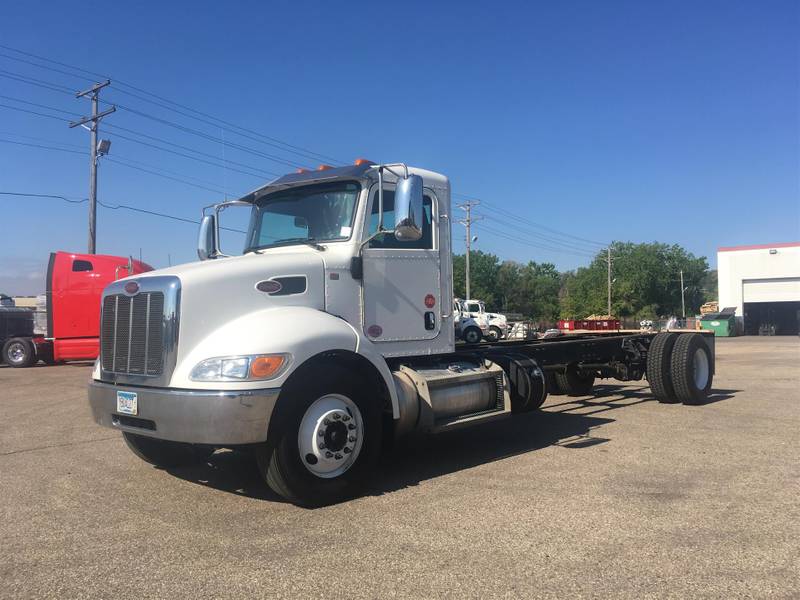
x=763, y=283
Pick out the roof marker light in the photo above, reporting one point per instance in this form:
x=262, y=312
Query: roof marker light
x=363, y=161
x=302, y=170
x=324, y=167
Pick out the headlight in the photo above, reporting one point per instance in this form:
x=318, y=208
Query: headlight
x=240, y=368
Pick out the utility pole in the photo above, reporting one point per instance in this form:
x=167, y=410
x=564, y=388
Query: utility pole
x=94, y=119
x=683, y=300
x=467, y=222
x=608, y=260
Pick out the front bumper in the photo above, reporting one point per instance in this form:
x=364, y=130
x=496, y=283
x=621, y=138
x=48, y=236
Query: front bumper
x=228, y=417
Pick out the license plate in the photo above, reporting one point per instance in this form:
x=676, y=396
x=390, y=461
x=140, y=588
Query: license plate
x=127, y=403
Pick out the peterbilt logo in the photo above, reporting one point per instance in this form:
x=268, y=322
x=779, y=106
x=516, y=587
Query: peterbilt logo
x=131, y=288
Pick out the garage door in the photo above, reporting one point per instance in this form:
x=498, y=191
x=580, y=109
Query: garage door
x=785, y=289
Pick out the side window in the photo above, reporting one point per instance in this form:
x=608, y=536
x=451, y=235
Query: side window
x=81, y=265
x=387, y=240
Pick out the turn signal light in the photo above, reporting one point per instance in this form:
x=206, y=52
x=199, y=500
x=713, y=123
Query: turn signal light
x=363, y=161
x=262, y=367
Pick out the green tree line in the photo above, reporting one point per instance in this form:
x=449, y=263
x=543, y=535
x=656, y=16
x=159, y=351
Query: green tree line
x=646, y=283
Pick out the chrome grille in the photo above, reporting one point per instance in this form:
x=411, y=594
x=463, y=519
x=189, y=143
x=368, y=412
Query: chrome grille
x=132, y=334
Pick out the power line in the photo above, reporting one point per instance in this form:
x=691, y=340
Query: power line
x=207, y=136
x=28, y=102
x=535, y=224
x=517, y=239
x=54, y=87
x=233, y=128
x=33, y=112
x=112, y=207
x=125, y=162
x=546, y=239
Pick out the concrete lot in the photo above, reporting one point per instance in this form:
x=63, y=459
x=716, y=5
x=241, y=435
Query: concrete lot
x=617, y=495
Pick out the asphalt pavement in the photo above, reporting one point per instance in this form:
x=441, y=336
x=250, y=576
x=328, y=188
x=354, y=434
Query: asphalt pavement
x=611, y=496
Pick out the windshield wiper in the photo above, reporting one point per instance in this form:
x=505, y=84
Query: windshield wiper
x=287, y=242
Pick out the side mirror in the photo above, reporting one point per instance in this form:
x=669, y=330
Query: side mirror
x=408, y=209
x=207, y=239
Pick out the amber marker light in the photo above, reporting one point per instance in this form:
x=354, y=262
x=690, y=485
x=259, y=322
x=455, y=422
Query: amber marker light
x=262, y=367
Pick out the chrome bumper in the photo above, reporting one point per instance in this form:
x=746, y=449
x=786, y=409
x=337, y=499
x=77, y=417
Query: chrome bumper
x=228, y=417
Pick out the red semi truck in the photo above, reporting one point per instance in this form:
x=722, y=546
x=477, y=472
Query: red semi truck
x=68, y=327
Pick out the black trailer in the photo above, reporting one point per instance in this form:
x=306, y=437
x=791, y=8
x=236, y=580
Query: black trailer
x=16, y=335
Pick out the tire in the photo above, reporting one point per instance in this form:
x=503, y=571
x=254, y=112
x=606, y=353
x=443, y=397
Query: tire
x=472, y=335
x=552, y=384
x=692, y=368
x=659, y=367
x=166, y=454
x=19, y=353
x=574, y=383
x=494, y=334
x=310, y=459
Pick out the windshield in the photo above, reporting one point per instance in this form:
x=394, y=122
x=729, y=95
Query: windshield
x=474, y=307
x=320, y=213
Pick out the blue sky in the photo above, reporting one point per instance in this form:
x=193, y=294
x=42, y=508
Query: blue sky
x=675, y=122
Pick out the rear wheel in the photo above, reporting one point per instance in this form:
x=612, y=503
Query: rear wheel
x=165, y=454
x=692, y=372
x=494, y=334
x=574, y=383
x=472, y=335
x=19, y=352
x=327, y=440
x=659, y=366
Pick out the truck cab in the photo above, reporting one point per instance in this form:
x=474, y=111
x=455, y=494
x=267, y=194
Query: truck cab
x=333, y=330
x=496, y=323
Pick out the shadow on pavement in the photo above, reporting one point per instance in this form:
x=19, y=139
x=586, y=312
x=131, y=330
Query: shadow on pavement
x=567, y=423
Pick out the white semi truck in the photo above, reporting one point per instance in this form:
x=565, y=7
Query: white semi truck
x=209, y=354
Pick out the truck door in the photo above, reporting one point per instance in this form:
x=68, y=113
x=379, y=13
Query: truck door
x=402, y=288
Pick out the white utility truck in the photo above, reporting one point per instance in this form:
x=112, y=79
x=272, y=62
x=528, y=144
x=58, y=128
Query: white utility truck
x=497, y=323
x=469, y=329
x=209, y=354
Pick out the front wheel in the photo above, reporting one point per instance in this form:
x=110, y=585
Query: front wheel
x=19, y=352
x=165, y=454
x=472, y=335
x=327, y=440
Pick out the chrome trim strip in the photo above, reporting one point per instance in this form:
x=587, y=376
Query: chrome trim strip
x=170, y=286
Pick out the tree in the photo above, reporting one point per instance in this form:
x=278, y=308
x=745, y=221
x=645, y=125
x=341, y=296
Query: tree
x=646, y=282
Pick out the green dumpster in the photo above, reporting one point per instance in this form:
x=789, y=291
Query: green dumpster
x=723, y=324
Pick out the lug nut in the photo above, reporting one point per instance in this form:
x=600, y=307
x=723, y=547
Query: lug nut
x=321, y=433
x=338, y=456
x=351, y=426
x=345, y=418
x=328, y=454
x=346, y=450
x=326, y=422
x=352, y=438
x=322, y=446
x=336, y=416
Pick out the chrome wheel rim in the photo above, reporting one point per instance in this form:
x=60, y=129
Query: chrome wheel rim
x=16, y=352
x=701, y=369
x=330, y=436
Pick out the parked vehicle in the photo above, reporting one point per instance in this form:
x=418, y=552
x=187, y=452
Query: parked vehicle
x=66, y=325
x=333, y=330
x=497, y=323
x=471, y=330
